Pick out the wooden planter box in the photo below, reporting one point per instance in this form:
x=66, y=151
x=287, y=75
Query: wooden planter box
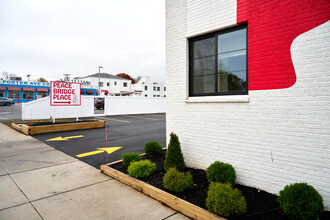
x=174, y=202
x=29, y=130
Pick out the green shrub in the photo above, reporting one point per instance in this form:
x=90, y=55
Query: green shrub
x=301, y=201
x=174, y=157
x=141, y=169
x=221, y=172
x=153, y=148
x=130, y=157
x=177, y=181
x=224, y=201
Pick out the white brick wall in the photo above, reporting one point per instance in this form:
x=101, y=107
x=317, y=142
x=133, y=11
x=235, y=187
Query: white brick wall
x=208, y=16
x=276, y=138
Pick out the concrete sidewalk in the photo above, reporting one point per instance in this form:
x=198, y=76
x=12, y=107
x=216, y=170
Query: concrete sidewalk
x=39, y=182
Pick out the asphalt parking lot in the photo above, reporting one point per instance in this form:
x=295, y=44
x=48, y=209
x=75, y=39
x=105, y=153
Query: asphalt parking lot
x=127, y=133
x=11, y=113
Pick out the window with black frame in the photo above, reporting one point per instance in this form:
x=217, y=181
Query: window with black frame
x=218, y=63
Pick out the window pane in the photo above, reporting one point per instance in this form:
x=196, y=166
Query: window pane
x=29, y=94
x=204, y=48
x=13, y=94
x=234, y=61
x=232, y=82
x=232, y=41
x=204, y=66
x=204, y=84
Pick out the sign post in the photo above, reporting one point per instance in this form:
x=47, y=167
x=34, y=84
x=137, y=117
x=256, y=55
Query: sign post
x=64, y=94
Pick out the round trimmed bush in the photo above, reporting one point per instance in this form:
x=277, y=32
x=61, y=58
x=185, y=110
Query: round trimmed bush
x=224, y=201
x=141, y=169
x=153, y=148
x=221, y=172
x=130, y=157
x=301, y=201
x=174, y=156
x=177, y=181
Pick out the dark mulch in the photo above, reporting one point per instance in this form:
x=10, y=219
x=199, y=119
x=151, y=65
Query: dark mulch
x=260, y=204
x=70, y=121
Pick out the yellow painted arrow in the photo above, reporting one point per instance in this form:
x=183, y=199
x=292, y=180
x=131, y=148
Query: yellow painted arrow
x=64, y=138
x=109, y=150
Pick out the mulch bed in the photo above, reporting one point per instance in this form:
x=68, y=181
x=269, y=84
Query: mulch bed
x=260, y=204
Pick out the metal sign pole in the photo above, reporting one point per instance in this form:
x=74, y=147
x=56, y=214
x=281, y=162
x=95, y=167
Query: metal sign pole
x=106, y=139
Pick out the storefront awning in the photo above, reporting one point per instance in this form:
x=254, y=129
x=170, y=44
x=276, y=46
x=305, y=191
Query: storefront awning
x=90, y=91
x=2, y=88
x=28, y=89
x=14, y=88
x=42, y=89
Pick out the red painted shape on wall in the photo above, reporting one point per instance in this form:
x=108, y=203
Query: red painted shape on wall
x=272, y=27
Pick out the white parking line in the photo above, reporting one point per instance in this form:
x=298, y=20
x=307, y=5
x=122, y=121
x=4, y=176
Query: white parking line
x=111, y=119
x=141, y=117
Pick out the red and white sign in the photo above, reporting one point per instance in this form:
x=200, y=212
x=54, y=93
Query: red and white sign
x=65, y=94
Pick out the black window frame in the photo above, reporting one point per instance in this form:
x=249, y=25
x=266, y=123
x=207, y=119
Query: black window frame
x=124, y=84
x=215, y=36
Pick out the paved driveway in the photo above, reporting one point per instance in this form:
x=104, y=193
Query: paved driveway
x=124, y=134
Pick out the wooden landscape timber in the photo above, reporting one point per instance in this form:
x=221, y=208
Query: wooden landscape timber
x=174, y=202
x=30, y=130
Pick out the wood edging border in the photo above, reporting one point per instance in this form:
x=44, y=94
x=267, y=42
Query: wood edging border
x=168, y=199
x=29, y=130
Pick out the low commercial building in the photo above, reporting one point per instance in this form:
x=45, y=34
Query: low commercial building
x=22, y=91
x=249, y=84
x=26, y=91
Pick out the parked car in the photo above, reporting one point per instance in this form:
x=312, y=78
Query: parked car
x=99, y=103
x=5, y=101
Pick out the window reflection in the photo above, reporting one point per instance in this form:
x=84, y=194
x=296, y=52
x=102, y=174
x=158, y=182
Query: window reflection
x=218, y=63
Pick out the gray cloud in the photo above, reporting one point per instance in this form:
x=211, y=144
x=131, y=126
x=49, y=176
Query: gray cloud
x=49, y=38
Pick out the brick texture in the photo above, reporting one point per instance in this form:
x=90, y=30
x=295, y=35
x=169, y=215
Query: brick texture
x=273, y=25
x=205, y=16
x=280, y=136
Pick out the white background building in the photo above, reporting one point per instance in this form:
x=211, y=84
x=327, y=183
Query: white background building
x=146, y=88
x=117, y=86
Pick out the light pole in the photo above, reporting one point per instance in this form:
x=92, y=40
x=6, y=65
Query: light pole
x=28, y=76
x=99, y=79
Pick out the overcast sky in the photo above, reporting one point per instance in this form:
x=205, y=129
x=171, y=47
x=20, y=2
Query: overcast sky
x=47, y=38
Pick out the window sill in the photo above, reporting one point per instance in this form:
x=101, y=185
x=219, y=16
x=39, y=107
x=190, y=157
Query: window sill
x=219, y=99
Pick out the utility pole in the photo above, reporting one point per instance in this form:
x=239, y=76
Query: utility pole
x=99, y=79
x=66, y=77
